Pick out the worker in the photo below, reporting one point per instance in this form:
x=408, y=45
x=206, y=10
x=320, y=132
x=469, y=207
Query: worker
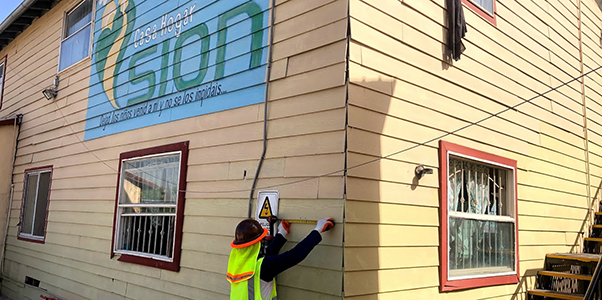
x=251, y=275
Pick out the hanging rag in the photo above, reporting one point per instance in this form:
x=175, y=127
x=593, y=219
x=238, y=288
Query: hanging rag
x=456, y=28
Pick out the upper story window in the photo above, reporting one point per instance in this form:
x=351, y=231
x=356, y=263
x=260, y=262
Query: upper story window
x=76, y=38
x=150, y=206
x=34, y=210
x=478, y=216
x=484, y=8
x=2, y=75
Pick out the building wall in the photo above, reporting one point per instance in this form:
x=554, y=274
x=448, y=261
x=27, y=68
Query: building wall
x=591, y=28
x=8, y=135
x=403, y=92
x=306, y=137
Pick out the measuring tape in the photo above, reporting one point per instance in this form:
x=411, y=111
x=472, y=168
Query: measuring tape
x=301, y=221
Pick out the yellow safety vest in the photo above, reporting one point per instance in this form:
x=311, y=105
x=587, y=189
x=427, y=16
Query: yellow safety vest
x=243, y=265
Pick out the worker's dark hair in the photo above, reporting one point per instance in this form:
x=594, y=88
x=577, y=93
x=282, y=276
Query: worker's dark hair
x=247, y=230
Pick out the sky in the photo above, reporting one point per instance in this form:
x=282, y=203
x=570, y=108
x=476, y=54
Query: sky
x=7, y=7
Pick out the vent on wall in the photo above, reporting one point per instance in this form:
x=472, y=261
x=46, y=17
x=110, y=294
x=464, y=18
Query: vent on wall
x=32, y=281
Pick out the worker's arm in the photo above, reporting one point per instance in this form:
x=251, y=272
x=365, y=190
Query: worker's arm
x=276, y=264
x=276, y=244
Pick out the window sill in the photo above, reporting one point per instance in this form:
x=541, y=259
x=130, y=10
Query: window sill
x=31, y=239
x=481, y=12
x=455, y=285
x=149, y=262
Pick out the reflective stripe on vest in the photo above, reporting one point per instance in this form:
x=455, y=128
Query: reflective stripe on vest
x=243, y=278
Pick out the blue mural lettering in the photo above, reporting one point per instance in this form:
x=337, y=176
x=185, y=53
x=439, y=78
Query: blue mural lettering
x=156, y=62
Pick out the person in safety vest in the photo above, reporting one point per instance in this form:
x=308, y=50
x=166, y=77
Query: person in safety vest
x=250, y=274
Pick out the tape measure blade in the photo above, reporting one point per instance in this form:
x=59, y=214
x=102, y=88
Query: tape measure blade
x=302, y=221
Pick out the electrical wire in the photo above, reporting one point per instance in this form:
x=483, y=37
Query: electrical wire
x=514, y=107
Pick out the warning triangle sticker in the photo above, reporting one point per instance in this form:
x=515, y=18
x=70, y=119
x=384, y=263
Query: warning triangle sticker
x=266, y=210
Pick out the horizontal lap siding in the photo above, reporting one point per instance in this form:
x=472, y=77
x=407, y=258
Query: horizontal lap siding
x=403, y=93
x=306, y=139
x=592, y=58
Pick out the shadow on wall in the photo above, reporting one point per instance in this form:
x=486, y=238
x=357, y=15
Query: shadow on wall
x=527, y=282
x=369, y=103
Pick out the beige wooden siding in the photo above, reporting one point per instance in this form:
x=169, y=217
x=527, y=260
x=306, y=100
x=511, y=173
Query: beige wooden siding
x=403, y=92
x=306, y=139
x=8, y=136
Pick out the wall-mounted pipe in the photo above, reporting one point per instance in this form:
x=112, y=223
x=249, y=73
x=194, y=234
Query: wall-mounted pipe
x=265, y=111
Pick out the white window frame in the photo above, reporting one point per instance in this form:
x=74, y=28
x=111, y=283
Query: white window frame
x=64, y=31
x=509, y=201
x=120, y=211
x=490, y=13
x=2, y=80
x=31, y=236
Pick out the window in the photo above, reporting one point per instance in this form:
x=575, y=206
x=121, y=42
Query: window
x=76, y=39
x=36, y=193
x=2, y=75
x=484, y=8
x=479, y=244
x=149, y=208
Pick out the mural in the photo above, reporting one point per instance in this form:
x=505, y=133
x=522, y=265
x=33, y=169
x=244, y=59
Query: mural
x=157, y=61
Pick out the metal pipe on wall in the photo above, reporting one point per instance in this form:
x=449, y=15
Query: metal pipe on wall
x=265, y=111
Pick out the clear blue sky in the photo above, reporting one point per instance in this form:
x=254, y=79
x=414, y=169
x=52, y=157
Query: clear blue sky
x=7, y=7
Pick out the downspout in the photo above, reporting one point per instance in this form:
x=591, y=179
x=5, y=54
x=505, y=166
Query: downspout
x=585, y=127
x=265, y=111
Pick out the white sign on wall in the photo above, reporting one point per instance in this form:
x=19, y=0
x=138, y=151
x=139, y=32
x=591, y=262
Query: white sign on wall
x=267, y=206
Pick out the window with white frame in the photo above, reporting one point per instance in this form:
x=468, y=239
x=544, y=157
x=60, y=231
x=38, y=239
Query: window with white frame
x=478, y=218
x=481, y=218
x=2, y=74
x=36, y=194
x=149, y=207
x=486, y=5
x=76, y=38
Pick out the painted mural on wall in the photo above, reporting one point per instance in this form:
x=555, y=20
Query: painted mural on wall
x=156, y=61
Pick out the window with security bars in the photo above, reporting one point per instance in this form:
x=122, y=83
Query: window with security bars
x=36, y=194
x=481, y=223
x=478, y=218
x=149, y=207
x=77, y=31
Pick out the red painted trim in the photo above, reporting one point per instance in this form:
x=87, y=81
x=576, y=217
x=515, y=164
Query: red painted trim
x=19, y=237
x=175, y=265
x=10, y=121
x=4, y=60
x=453, y=285
x=482, y=12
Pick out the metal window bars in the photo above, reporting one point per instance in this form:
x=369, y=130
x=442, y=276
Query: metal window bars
x=480, y=230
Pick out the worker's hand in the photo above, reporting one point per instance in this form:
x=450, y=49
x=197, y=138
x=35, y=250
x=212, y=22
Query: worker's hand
x=325, y=224
x=284, y=228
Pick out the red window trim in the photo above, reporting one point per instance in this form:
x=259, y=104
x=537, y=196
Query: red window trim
x=3, y=61
x=15, y=120
x=166, y=265
x=27, y=239
x=447, y=285
x=482, y=12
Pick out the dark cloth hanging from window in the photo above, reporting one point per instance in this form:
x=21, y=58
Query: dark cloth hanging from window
x=456, y=28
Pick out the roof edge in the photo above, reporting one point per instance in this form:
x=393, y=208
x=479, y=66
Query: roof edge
x=16, y=14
